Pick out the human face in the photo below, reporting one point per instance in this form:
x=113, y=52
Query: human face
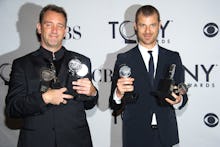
x=52, y=30
x=147, y=29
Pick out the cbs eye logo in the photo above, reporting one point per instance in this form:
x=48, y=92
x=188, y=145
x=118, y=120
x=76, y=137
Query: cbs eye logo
x=210, y=30
x=211, y=120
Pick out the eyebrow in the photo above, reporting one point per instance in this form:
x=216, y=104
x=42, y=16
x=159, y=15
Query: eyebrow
x=52, y=22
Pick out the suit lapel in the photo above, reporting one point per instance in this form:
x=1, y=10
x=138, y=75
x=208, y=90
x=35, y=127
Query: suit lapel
x=160, y=64
x=139, y=64
x=38, y=63
x=63, y=73
x=138, y=61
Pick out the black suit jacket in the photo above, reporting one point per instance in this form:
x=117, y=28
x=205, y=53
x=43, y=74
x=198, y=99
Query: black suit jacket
x=137, y=116
x=47, y=125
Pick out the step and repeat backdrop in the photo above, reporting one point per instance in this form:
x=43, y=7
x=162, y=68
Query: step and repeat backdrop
x=100, y=29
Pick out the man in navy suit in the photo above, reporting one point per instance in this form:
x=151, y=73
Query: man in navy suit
x=148, y=121
x=50, y=96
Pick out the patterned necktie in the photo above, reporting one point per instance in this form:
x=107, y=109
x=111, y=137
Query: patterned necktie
x=151, y=67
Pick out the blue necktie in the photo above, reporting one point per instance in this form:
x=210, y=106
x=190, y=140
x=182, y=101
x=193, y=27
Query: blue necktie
x=151, y=67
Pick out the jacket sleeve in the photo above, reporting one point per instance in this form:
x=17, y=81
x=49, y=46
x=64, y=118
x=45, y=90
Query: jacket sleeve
x=92, y=100
x=20, y=103
x=112, y=104
x=180, y=78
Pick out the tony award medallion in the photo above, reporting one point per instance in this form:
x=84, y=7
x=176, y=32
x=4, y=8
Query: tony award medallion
x=47, y=75
x=77, y=70
x=125, y=72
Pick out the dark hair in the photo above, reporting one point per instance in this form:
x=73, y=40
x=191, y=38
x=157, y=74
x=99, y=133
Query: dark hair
x=55, y=8
x=147, y=10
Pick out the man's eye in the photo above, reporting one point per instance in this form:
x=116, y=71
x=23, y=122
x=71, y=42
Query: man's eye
x=60, y=26
x=48, y=24
x=141, y=25
x=153, y=25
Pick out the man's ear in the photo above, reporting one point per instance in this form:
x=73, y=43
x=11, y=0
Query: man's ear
x=135, y=27
x=66, y=30
x=160, y=24
x=38, y=28
x=38, y=32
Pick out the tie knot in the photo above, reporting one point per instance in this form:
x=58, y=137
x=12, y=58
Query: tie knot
x=150, y=52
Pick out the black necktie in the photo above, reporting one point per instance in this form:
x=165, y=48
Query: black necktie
x=151, y=67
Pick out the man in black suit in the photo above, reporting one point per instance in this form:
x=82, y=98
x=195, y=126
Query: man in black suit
x=50, y=96
x=148, y=119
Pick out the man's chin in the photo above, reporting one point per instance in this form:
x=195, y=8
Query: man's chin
x=55, y=44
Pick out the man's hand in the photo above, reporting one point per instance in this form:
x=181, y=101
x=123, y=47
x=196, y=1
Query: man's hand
x=178, y=99
x=124, y=85
x=84, y=86
x=56, y=96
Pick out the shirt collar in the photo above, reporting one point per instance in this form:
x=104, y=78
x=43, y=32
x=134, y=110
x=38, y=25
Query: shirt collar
x=154, y=50
x=50, y=55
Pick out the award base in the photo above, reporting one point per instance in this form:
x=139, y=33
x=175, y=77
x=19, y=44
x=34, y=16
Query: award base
x=164, y=90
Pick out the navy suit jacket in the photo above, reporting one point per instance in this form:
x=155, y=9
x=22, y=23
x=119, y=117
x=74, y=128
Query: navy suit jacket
x=137, y=116
x=63, y=125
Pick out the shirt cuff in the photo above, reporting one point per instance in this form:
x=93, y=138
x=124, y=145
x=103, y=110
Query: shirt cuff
x=116, y=99
x=176, y=106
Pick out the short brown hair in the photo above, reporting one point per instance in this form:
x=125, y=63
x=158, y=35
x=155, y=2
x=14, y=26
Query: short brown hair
x=147, y=10
x=52, y=8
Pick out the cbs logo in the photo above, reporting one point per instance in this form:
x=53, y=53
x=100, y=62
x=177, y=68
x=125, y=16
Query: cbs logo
x=211, y=29
x=211, y=120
